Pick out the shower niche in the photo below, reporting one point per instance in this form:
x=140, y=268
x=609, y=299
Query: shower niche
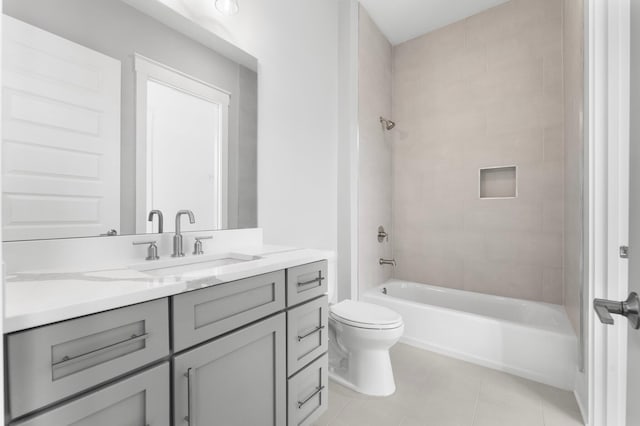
x=498, y=182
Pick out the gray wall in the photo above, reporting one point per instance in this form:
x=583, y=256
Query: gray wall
x=119, y=31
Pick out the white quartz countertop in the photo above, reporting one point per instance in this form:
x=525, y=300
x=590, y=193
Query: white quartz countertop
x=35, y=298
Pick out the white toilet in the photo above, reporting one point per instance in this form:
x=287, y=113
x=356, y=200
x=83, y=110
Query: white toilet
x=360, y=336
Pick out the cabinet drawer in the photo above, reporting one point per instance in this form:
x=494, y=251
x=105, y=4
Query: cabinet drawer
x=204, y=314
x=236, y=380
x=307, y=333
x=306, y=282
x=308, y=392
x=53, y=362
x=142, y=399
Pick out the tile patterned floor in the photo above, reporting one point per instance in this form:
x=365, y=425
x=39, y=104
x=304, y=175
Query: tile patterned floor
x=437, y=390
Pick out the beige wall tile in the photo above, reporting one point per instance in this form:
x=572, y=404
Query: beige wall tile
x=486, y=91
x=552, y=285
x=573, y=33
x=374, y=197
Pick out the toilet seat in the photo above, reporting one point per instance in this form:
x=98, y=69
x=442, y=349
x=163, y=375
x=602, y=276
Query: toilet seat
x=365, y=315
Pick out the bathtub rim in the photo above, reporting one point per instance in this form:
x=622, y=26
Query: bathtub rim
x=376, y=292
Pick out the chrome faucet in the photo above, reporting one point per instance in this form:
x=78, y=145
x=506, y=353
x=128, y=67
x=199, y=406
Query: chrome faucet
x=177, y=238
x=391, y=262
x=160, y=220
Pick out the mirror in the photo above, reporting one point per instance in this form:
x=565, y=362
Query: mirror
x=109, y=114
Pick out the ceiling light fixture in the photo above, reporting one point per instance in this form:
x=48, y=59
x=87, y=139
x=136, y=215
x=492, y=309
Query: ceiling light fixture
x=227, y=7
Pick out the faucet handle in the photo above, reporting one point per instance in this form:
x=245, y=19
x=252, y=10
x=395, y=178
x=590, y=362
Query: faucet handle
x=152, y=251
x=197, y=246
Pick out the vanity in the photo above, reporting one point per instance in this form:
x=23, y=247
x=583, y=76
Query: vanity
x=239, y=339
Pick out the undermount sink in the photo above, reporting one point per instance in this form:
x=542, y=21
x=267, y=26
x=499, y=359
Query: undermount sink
x=186, y=265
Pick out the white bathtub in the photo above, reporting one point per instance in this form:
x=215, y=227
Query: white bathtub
x=529, y=339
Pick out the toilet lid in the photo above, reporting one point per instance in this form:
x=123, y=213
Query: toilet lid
x=365, y=315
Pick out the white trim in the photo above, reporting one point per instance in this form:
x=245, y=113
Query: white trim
x=348, y=152
x=355, y=155
x=149, y=70
x=608, y=102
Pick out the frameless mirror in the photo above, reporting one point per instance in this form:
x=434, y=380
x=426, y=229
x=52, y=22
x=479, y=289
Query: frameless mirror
x=109, y=114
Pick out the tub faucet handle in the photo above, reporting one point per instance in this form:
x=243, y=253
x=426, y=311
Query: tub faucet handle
x=382, y=234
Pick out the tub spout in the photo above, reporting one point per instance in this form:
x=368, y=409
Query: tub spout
x=391, y=262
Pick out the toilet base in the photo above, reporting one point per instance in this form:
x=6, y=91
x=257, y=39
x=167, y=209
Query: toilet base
x=366, y=372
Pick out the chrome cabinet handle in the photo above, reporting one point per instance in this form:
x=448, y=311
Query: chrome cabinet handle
x=314, y=331
x=191, y=408
x=307, y=399
x=66, y=360
x=315, y=280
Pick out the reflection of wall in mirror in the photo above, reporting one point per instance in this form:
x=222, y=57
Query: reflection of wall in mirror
x=117, y=30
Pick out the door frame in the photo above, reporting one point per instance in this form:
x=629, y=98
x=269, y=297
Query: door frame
x=607, y=54
x=149, y=70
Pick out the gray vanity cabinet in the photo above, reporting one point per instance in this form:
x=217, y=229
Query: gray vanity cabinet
x=140, y=400
x=251, y=352
x=236, y=380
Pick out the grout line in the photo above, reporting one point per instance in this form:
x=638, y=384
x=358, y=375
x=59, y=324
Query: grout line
x=475, y=408
x=544, y=419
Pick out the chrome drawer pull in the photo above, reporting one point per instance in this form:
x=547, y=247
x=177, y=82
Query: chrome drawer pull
x=307, y=399
x=314, y=331
x=315, y=280
x=190, y=417
x=71, y=359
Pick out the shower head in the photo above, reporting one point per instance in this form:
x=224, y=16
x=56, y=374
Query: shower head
x=387, y=124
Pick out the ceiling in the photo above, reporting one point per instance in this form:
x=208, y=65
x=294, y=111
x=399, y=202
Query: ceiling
x=402, y=20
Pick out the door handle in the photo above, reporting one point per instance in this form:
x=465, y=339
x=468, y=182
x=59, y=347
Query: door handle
x=630, y=308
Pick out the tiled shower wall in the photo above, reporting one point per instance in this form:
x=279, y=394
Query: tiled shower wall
x=483, y=92
x=573, y=134
x=374, y=195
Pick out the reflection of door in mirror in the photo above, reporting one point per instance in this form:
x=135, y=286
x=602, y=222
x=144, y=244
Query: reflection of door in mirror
x=60, y=136
x=181, y=147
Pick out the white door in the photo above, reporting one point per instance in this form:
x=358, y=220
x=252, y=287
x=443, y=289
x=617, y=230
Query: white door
x=183, y=140
x=614, y=368
x=60, y=136
x=181, y=147
x=633, y=349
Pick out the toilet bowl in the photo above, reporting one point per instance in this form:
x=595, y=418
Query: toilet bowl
x=360, y=336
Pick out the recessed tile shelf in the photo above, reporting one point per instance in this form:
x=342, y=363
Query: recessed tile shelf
x=498, y=182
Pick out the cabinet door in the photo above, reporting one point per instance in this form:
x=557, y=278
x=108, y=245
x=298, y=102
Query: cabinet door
x=237, y=380
x=139, y=400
